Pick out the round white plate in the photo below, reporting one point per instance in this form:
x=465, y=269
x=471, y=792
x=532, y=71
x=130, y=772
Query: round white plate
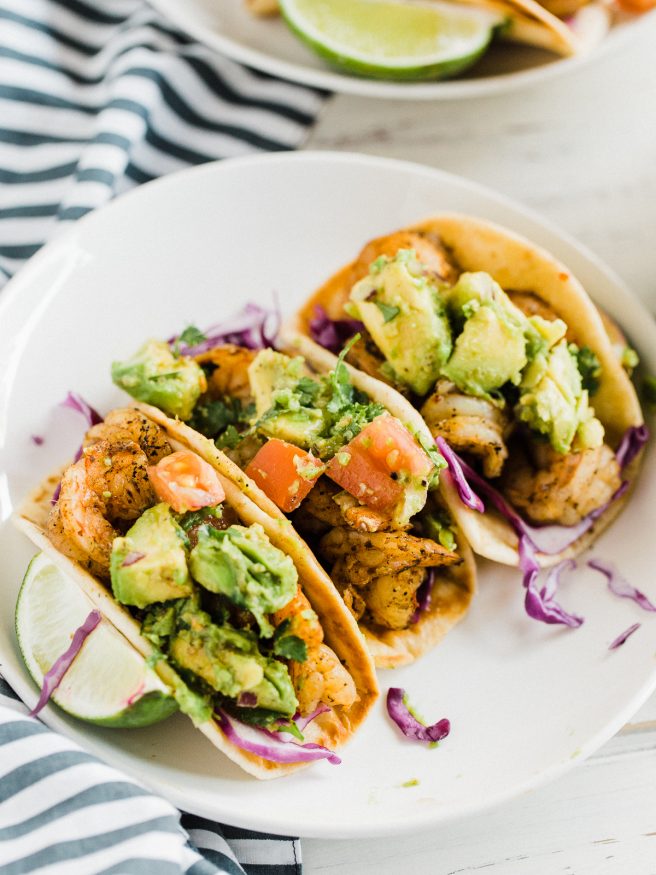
x=267, y=44
x=526, y=701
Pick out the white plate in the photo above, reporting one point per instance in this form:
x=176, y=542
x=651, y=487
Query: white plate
x=267, y=44
x=526, y=701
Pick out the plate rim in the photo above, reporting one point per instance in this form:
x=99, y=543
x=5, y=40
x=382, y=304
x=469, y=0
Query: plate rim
x=448, y=89
x=408, y=824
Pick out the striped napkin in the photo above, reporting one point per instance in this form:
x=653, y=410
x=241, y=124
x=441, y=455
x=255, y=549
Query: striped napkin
x=96, y=97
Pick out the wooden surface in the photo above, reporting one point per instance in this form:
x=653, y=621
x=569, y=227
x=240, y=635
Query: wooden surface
x=582, y=151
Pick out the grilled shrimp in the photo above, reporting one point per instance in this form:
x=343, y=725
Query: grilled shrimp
x=326, y=507
x=303, y=621
x=359, y=556
x=322, y=678
x=379, y=573
x=128, y=424
x=427, y=247
x=557, y=488
x=116, y=471
x=230, y=375
x=469, y=425
x=392, y=598
x=78, y=525
x=532, y=305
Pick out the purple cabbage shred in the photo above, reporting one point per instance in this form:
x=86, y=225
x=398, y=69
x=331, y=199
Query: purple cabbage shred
x=254, y=327
x=332, y=334
x=424, y=595
x=620, y=586
x=271, y=746
x=54, y=676
x=408, y=724
x=621, y=638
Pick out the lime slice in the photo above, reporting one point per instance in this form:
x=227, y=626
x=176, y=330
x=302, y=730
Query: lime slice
x=108, y=682
x=392, y=39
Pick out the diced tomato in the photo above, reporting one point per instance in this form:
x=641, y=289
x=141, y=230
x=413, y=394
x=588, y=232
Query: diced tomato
x=284, y=472
x=369, y=466
x=390, y=443
x=186, y=482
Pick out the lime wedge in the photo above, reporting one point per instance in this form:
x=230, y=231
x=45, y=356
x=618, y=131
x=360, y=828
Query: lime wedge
x=108, y=682
x=393, y=39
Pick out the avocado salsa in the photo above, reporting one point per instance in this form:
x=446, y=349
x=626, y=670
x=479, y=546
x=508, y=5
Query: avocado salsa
x=349, y=464
x=204, y=588
x=473, y=335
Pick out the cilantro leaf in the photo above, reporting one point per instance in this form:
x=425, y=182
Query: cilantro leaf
x=589, y=367
x=389, y=312
x=291, y=647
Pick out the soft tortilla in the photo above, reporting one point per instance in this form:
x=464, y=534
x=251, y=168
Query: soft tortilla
x=340, y=630
x=517, y=265
x=454, y=587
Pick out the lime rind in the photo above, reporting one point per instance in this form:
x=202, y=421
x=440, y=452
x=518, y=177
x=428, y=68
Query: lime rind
x=108, y=683
x=458, y=54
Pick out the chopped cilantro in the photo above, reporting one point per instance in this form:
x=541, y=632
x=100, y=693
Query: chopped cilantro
x=211, y=417
x=413, y=782
x=290, y=727
x=191, y=336
x=307, y=390
x=589, y=367
x=197, y=517
x=389, y=312
x=288, y=646
x=229, y=439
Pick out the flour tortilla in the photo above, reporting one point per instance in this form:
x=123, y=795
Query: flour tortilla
x=454, y=587
x=517, y=265
x=340, y=630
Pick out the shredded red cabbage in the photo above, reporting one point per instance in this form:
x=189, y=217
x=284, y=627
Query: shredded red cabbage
x=302, y=722
x=467, y=495
x=254, y=327
x=548, y=539
x=540, y=603
x=270, y=746
x=37, y=440
x=76, y=402
x=424, y=595
x=621, y=638
x=332, y=333
x=632, y=442
x=408, y=724
x=131, y=558
x=54, y=676
x=620, y=586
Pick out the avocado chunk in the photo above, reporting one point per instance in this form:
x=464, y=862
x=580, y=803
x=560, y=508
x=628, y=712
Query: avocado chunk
x=277, y=383
x=244, y=566
x=149, y=564
x=229, y=661
x=489, y=352
x=401, y=308
x=553, y=402
x=156, y=376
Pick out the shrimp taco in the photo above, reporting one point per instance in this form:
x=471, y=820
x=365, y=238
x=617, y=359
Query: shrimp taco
x=512, y=368
x=238, y=620
x=304, y=443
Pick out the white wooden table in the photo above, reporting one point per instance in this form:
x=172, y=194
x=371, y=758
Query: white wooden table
x=582, y=151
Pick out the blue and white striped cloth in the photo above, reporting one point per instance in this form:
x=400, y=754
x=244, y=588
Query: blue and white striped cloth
x=64, y=812
x=97, y=96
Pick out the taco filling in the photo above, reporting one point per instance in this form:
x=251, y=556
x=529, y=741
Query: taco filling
x=496, y=374
x=217, y=599
x=357, y=484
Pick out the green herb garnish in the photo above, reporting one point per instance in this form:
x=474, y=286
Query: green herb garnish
x=389, y=312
